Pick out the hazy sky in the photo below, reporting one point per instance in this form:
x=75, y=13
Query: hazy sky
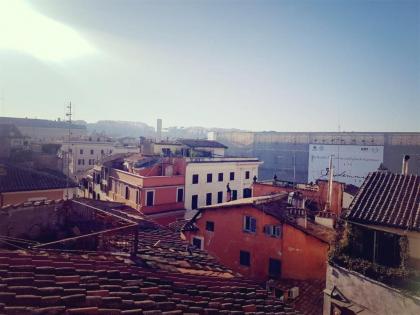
x=257, y=65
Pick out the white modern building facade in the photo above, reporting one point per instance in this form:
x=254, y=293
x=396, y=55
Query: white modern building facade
x=208, y=180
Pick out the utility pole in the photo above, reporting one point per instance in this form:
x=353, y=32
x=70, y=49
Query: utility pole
x=68, y=116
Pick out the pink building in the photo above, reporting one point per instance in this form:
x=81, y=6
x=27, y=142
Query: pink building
x=153, y=186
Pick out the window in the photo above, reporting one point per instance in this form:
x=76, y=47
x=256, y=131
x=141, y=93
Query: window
x=91, y=151
x=272, y=230
x=127, y=192
x=220, y=197
x=195, y=179
x=81, y=151
x=210, y=226
x=234, y=194
x=232, y=175
x=102, y=152
x=274, y=268
x=220, y=177
x=247, y=193
x=247, y=175
x=209, y=178
x=197, y=242
x=208, y=199
x=180, y=195
x=250, y=224
x=244, y=258
x=79, y=162
x=194, y=202
x=137, y=197
x=70, y=150
x=150, y=196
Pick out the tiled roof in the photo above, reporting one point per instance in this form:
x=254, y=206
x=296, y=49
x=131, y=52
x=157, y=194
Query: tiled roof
x=16, y=178
x=52, y=282
x=178, y=225
x=388, y=199
x=311, y=296
x=202, y=143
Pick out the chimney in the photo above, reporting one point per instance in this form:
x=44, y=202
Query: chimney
x=330, y=185
x=405, y=164
x=159, y=130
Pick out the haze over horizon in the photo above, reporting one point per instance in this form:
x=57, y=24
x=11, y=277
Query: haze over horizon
x=252, y=65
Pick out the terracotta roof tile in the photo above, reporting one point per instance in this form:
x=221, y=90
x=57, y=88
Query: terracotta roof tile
x=388, y=199
x=141, y=290
x=15, y=178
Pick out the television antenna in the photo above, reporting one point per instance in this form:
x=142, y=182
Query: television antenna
x=68, y=116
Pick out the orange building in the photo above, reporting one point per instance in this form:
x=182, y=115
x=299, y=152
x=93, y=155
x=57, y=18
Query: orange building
x=262, y=238
x=316, y=193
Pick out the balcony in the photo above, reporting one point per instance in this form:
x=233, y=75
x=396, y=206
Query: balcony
x=378, y=255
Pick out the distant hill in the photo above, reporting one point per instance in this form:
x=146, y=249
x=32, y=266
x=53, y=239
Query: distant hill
x=116, y=128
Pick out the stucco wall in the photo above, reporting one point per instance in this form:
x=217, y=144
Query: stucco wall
x=29, y=222
x=302, y=256
x=202, y=188
x=375, y=297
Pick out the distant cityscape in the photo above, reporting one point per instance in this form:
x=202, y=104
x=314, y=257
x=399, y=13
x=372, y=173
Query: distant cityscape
x=125, y=218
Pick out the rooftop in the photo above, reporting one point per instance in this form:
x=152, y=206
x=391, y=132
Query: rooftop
x=311, y=295
x=387, y=199
x=9, y=131
x=52, y=282
x=16, y=178
x=166, y=276
x=194, y=143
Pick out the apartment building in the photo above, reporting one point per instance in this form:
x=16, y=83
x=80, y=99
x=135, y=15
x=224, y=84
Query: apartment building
x=263, y=238
x=218, y=179
x=152, y=185
x=81, y=154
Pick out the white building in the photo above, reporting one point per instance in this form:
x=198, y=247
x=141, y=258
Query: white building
x=83, y=154
x=207, y=180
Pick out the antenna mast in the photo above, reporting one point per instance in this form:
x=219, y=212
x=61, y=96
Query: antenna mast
x=68, y=115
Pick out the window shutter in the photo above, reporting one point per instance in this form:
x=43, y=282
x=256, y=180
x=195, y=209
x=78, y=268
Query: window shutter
x=253, y=225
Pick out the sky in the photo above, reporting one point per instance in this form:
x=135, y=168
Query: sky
x=254, y=65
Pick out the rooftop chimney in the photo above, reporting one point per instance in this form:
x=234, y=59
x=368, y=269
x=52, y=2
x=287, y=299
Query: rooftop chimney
x=405, y=164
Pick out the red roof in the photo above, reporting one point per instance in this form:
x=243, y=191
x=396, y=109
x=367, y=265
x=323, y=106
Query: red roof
x=51, y=282
x=388, y=199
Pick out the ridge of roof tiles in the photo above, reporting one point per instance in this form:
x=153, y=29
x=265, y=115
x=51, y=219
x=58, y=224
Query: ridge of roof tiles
x=388, y=199
x=52, y=282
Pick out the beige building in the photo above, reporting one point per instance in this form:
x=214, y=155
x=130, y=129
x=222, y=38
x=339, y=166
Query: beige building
x=81, y=155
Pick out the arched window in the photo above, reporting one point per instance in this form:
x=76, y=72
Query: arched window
x=127, y=192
